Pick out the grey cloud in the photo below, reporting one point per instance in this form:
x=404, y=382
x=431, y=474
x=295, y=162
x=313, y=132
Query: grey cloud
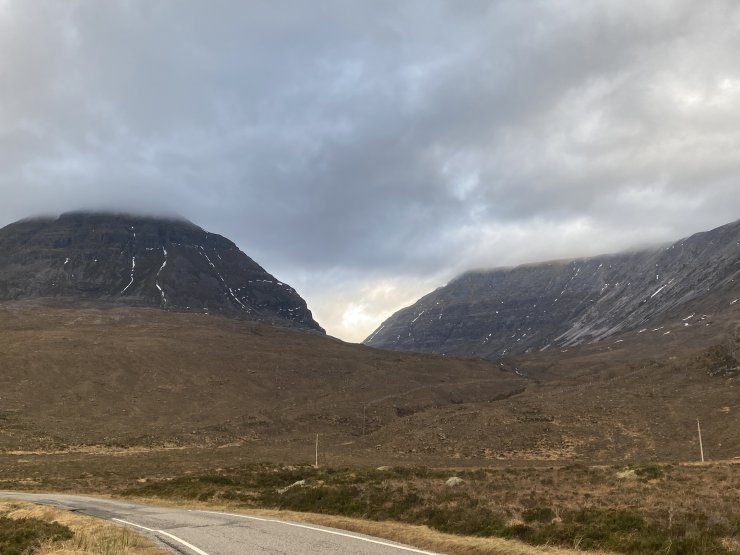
x=377, y=142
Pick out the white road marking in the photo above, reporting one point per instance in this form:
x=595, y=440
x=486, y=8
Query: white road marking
x=387, y=544
x=179, y=540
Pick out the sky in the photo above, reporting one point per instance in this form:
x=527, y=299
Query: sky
x=366, y=152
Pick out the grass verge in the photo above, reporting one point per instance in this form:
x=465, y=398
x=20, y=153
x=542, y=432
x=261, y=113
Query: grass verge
x=18, y=536
x=55, y=532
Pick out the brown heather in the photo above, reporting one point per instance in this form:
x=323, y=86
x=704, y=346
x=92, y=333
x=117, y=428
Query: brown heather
x=592, y=449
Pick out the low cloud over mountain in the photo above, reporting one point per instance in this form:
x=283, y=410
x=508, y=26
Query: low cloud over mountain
x=370, y=151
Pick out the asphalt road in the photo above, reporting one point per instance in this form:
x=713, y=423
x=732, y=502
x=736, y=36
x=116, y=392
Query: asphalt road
x=212, y=533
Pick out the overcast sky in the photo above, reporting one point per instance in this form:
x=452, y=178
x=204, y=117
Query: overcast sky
x=368, y=151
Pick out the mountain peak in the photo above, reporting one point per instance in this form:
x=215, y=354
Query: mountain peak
x=140, y=260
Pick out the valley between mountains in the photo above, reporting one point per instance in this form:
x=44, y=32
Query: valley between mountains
x=132, y=378
x=169, y=364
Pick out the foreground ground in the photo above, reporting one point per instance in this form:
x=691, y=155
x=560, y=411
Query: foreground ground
x=212, y=533
x=637, y=509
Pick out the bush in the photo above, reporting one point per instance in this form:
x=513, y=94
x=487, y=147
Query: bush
x=624, y=532
x=538, y=514
x=344, y=500
x=468, y=521
x=649, y=472
x=23, y=535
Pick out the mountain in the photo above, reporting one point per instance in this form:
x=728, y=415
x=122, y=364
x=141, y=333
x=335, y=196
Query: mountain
x=118, y=259
x=501, y=312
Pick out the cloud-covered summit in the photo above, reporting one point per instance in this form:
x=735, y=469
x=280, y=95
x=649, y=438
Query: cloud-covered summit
x=368, y=151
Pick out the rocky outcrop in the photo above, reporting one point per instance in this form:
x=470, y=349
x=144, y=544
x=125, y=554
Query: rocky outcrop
x=501, y=312
x=139, y=261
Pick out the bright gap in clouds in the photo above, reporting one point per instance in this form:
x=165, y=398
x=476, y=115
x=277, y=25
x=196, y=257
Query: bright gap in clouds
x=354, y=308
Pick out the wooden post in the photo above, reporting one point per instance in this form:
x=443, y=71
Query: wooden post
x=317, y=451
x=701, y=446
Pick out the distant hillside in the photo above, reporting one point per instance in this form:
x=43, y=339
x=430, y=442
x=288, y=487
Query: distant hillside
x=96, y=381
x=133, y=377
x=502, y=312
x=127, y=260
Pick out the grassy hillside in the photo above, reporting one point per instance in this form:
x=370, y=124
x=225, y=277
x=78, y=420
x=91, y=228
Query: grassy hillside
x=147, y=378
x=125, y=379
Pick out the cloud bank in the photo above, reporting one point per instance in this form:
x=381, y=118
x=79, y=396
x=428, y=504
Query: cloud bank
x=366, y=152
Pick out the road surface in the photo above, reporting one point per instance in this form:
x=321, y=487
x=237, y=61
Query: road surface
x=213, y=533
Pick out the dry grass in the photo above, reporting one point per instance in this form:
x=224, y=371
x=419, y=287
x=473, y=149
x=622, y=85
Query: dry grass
x=426, y=538
x=91, y=535
x=64, y=370
x=267, y=392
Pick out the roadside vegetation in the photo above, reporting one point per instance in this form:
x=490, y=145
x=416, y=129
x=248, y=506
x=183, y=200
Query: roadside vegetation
x=26, y=535
x=638, y=510
x=33, y=529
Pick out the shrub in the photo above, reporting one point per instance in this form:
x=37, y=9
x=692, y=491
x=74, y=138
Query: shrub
x=23, y=535
x=538, y=514
x=649, y=472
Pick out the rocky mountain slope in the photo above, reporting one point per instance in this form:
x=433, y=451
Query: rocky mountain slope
x=502, y=312
x=139, y=261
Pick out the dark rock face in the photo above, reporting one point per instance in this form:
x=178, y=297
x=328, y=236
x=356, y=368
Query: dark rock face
x=138, y=261
x=502, y=312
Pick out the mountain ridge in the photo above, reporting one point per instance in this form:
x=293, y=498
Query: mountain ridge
x=627, y=251
x=503, y=311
